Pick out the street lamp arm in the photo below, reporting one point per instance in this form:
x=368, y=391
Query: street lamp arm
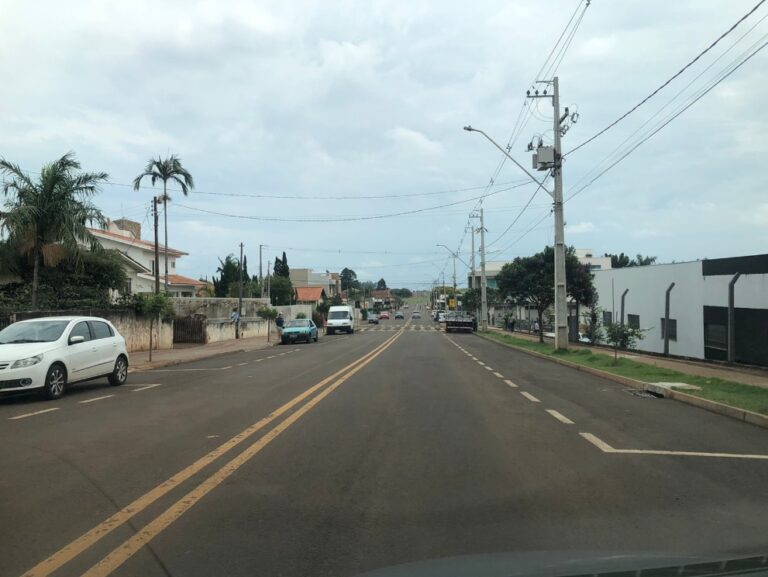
x=525, y=170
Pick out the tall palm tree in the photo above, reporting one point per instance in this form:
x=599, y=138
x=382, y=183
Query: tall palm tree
x=166, y=169
x=47, y=218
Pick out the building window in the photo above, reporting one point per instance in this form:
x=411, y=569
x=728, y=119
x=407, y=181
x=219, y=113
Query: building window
x=127, y=288
x=173, y=265
x=672, y=329
x=633, y=321
x=715, y=336
x=152, y=262
x=595, y=266
x=607, y=318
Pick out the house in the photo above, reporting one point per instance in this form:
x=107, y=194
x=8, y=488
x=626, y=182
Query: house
x=306, y=277
x=698, y=293
x=309, y=295
x=138, y=255
x=586, y=256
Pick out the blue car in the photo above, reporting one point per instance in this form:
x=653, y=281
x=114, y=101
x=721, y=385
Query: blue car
x=299, y=330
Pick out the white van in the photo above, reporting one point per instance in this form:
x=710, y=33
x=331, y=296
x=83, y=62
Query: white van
x=340, y=318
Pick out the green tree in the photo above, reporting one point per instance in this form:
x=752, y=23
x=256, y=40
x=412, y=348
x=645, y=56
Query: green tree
x=348, y=279
x=622, y=260
x=47, y=219
x=166, y=169
x=622, y=336
x=229, y=276
x=593, y=321
x=531, y=280
x=281, y=291
x=381, y=285
x=335, y=301
x=281, y=268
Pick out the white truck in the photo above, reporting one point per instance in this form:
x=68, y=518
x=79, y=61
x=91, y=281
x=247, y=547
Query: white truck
x=341, y=318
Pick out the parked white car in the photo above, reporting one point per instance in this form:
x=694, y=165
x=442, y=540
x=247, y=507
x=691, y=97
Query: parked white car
x=49, y=353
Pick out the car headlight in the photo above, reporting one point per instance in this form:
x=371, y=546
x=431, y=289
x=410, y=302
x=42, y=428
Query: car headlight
x=28, y=362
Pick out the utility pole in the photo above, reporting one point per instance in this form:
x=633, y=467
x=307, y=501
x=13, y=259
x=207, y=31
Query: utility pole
x=561, y=305
x=483, y=283
x=472, y=258
x=239, y=296
x=261, y=282
x=455, y=298
x=155, y=202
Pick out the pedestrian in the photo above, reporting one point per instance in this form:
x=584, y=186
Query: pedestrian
x=235, y=316
x=279, y=322
x=512, y=326
x=536, y=327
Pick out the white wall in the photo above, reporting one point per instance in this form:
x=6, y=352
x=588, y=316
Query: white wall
x=647, y=286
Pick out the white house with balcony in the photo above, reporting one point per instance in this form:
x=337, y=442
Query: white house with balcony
x=124, y=236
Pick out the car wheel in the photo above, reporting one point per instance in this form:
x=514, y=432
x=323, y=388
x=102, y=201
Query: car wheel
x=120, y=373
x=55, y=381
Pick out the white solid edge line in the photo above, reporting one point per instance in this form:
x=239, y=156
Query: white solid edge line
x=145, y=387
x=25, y=415
x=530, y=397
x=510, y=383
x=94, y=399
x=560, y=417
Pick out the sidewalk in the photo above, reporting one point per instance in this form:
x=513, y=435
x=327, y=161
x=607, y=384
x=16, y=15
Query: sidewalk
x=744, y=375
x=186, y=353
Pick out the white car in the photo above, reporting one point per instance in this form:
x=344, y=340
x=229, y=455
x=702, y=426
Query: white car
x=48, y=353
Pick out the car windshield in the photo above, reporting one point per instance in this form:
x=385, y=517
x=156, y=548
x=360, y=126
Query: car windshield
x=297, y=323
x=338, y=315
x=32, y=332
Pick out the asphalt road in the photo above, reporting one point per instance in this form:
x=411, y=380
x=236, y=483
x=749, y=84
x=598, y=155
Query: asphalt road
x=393, y=445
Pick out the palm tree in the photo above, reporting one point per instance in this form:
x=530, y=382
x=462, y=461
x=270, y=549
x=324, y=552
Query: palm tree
x=166, y=169
x=47, y=218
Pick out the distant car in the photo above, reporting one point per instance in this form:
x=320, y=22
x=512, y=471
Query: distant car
x=415, y=315
x=299, y=330
x=584, y=338
x=48, y=354
x=405, y=306
x=373, y=318
x=383, y=315
x=399, y=315
x=441, y=317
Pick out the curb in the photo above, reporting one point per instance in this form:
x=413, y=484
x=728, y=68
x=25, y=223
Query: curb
x=712, y=406
x=172, y=362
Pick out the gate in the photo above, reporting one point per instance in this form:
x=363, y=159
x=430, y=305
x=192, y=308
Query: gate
x=189, y=330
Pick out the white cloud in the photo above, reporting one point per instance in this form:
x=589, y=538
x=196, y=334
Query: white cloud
x=580, y=227
x=414, y=140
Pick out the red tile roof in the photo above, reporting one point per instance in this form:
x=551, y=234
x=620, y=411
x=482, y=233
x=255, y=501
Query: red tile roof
x=177, y=279
x=311, y=294
x=134, y=241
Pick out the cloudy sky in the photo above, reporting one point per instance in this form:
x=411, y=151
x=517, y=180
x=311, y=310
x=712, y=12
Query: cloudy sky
x=355, y=109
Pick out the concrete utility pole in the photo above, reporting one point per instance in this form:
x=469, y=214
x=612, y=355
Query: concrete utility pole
x=472, y=258
x=483, y=283
x=561, y=305
x=550, y=158
x=261, y=282
x=155, y=202
x=239, y=296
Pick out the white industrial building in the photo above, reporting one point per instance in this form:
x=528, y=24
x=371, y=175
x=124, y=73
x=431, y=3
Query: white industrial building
x=698, y=306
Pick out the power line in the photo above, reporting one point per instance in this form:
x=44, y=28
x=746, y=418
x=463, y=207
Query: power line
x=343, y=218
x=519, y=238
x=668, y=120
x=525, y=207
x=675, y=97
x=678, y=73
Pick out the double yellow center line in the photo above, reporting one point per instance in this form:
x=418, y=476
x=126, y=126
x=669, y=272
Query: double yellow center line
x=128, y=548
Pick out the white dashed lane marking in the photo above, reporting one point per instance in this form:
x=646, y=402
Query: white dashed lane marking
x=560, y=417
x=94, y=399
x=25, y=415
x=145, y=387
x=530, y=397
x=510, y=383
x=498, y=375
